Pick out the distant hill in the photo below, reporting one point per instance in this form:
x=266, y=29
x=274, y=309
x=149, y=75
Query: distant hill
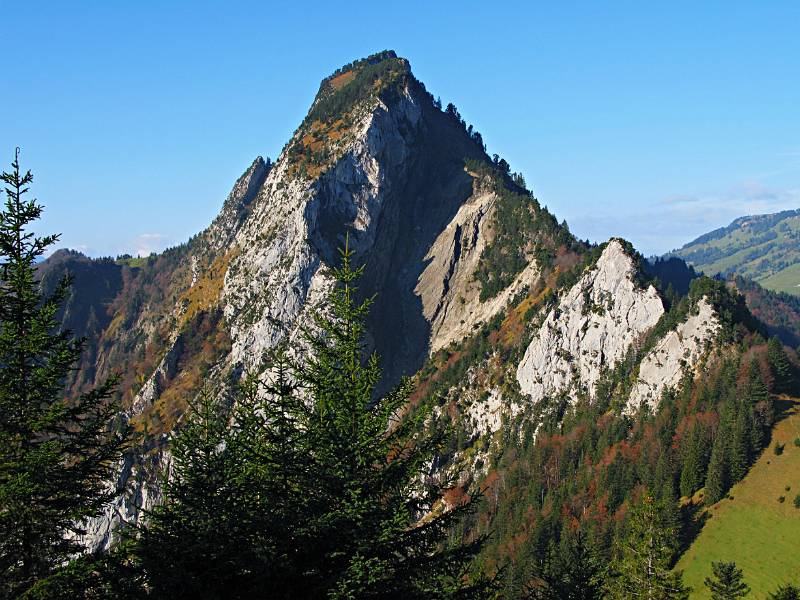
x=765, y=248
x=779, y=312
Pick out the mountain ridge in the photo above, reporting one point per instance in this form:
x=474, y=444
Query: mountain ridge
x=393, y=178
x=476, y=287
x=761, y=247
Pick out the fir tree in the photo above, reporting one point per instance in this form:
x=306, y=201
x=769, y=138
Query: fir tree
x=308, y=487
x=642, y=567
x=545, y=577
x=233, y=523
x=669, y=502
x=663, y=480
x=97, y=576
x=198, y=543
x=693, y=462
x=717, y=479
x=779, y=364
x=758, y=396
x=270, y=423
x=370, y=541
x=56, y=454
x=727, y=583
x=570, y=571
x=785, y=592
x=583, y=574
x=741, y=452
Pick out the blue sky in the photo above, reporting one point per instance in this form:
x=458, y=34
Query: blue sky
x=656, y=124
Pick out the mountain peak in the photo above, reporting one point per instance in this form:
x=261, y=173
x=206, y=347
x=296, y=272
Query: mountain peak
x=355, y=82
x=344, y=100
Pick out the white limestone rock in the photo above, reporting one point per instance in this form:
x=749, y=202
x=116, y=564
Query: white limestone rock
x=447, y=287
x=271, y=226
x=592, y=327
x=677, y=351
x=283, y=246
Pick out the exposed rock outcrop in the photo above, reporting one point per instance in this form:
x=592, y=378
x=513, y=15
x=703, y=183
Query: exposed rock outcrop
x=591, y=329
x=447, y=287
x=392, y=180
x=678, y=351
x=235, y=208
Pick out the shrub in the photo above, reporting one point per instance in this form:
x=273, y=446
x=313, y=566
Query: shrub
x=788, y=592
x=797, y=501
x=779, y=449
x=781, y=499
x=797, y=442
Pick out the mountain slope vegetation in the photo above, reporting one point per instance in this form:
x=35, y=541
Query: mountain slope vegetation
x=765, y=248
x=571, y=384
x=758, y=524
x=779, y=311
x=564, y=464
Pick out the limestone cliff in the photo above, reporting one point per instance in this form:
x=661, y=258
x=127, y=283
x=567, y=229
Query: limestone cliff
x=676, y=353
x=375, y=161
x=479, y=292
x=590, y=329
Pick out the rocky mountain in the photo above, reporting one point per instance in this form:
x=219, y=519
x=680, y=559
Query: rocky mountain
x=376, y=160
x=553, y=365
x=593, y=325
x=764, y=248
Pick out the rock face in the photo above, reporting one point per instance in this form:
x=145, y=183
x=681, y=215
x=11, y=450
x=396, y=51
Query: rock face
x=389, y=176
x=140, y=491
x=415, y=222
x=236, y=206
x=447, y=288
x=592, y=328
x=678, y=351
x=413, y=192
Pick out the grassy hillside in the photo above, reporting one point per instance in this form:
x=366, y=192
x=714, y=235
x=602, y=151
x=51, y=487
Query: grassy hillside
x=756, y=530
x=765, y=248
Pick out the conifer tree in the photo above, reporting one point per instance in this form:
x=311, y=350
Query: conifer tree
x=727, y=582
x=717, y=479
x=663, y=480
x=779, y=364
x=642, y=567
x=669, y=502
x=372, y=540
x=233, y=521
x=741, y=452
x=56, y=454
x=545, y=581
x=758, y=396
x=583, y=574
x=693, y=462
x=270, y=435
x=309, y=487
x=785, y=592
x=570, y=571
x=195, y=544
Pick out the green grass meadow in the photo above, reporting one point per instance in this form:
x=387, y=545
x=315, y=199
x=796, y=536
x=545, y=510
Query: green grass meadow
x=756, y=530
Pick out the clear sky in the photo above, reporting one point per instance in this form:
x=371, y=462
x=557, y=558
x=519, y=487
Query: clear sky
x=656, y=124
